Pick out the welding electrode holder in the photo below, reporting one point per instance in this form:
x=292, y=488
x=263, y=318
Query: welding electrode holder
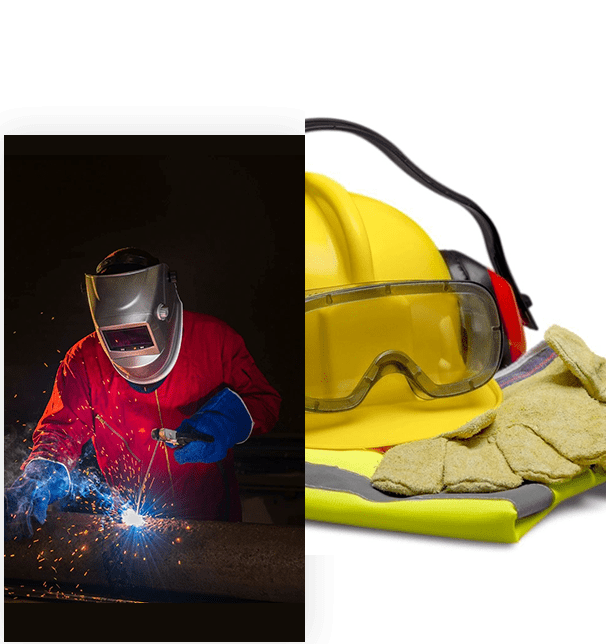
x=185, y=436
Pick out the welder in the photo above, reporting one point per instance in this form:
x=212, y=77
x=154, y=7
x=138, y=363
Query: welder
x=149, y=369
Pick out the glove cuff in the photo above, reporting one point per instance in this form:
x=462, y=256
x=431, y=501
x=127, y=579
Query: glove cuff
x=237, y=419
x=584, y=364
x=247, y=426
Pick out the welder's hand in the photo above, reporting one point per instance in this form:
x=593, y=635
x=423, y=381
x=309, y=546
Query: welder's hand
x=548, y=429
x=43, y=482
x=225, y=418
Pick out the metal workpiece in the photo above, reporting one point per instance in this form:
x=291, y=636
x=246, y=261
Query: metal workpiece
x=165, y=556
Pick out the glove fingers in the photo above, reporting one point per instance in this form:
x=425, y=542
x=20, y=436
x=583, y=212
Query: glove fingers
x=477, y=465
x=585, y=365
x=192, y=453
x=474, y=426
x=40, y=505
x=200, y=452
x=19, y=525
x=533, y=458
x=577, y=431
x=430, y=466
x=18, y=528
x=412, y=468
x=12, y=520
x=18, y=509
x=26, y=525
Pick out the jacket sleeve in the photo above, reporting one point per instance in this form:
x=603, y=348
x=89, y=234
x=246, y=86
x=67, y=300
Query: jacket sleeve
x=67, y=422
x=243, y=376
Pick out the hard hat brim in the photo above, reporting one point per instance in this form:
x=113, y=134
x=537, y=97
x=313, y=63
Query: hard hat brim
x=383, y=420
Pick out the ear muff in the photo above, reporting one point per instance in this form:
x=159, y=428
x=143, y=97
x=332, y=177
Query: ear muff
x=465, y=268
x=513, y=328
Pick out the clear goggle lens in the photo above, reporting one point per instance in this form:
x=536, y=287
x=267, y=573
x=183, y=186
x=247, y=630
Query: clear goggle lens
x=444, y=337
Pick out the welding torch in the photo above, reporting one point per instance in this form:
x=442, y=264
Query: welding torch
x=185, y=436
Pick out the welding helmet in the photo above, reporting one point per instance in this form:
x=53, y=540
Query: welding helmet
x=401, y=340
x=137, y=314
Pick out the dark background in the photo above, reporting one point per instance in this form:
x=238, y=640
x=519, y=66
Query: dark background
x=221, y=211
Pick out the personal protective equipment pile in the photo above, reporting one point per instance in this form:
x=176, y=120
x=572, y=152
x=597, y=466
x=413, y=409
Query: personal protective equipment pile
x=549, y=428
x=382, y=444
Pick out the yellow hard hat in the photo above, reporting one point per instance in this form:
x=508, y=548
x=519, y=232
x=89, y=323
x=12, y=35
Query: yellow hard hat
x=395, y=350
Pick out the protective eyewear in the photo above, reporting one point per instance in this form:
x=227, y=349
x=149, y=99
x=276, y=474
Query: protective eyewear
x=444, y=337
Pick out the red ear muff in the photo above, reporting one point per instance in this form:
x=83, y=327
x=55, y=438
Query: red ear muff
x=510, y=316
x=465, y=268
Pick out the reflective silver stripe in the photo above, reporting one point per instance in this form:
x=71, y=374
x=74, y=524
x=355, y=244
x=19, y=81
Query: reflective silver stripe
x=528, y=499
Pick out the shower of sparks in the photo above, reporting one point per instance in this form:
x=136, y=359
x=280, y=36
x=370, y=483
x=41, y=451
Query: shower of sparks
x=118, y=542
x=132, y=518
x=77, y=554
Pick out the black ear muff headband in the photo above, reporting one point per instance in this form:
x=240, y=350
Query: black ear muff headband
x=489, y=232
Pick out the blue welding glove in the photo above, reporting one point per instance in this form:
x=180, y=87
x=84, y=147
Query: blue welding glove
x=225, y=418
x=43, y=482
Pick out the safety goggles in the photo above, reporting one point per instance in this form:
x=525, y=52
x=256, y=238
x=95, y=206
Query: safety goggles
x=444, y=337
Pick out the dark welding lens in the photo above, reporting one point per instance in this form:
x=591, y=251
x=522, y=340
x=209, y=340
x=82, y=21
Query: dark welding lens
x=128, y=339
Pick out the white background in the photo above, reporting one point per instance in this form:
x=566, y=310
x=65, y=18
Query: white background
x=504, y=103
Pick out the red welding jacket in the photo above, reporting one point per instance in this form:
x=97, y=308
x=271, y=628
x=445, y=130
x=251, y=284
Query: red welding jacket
x=91, y=400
